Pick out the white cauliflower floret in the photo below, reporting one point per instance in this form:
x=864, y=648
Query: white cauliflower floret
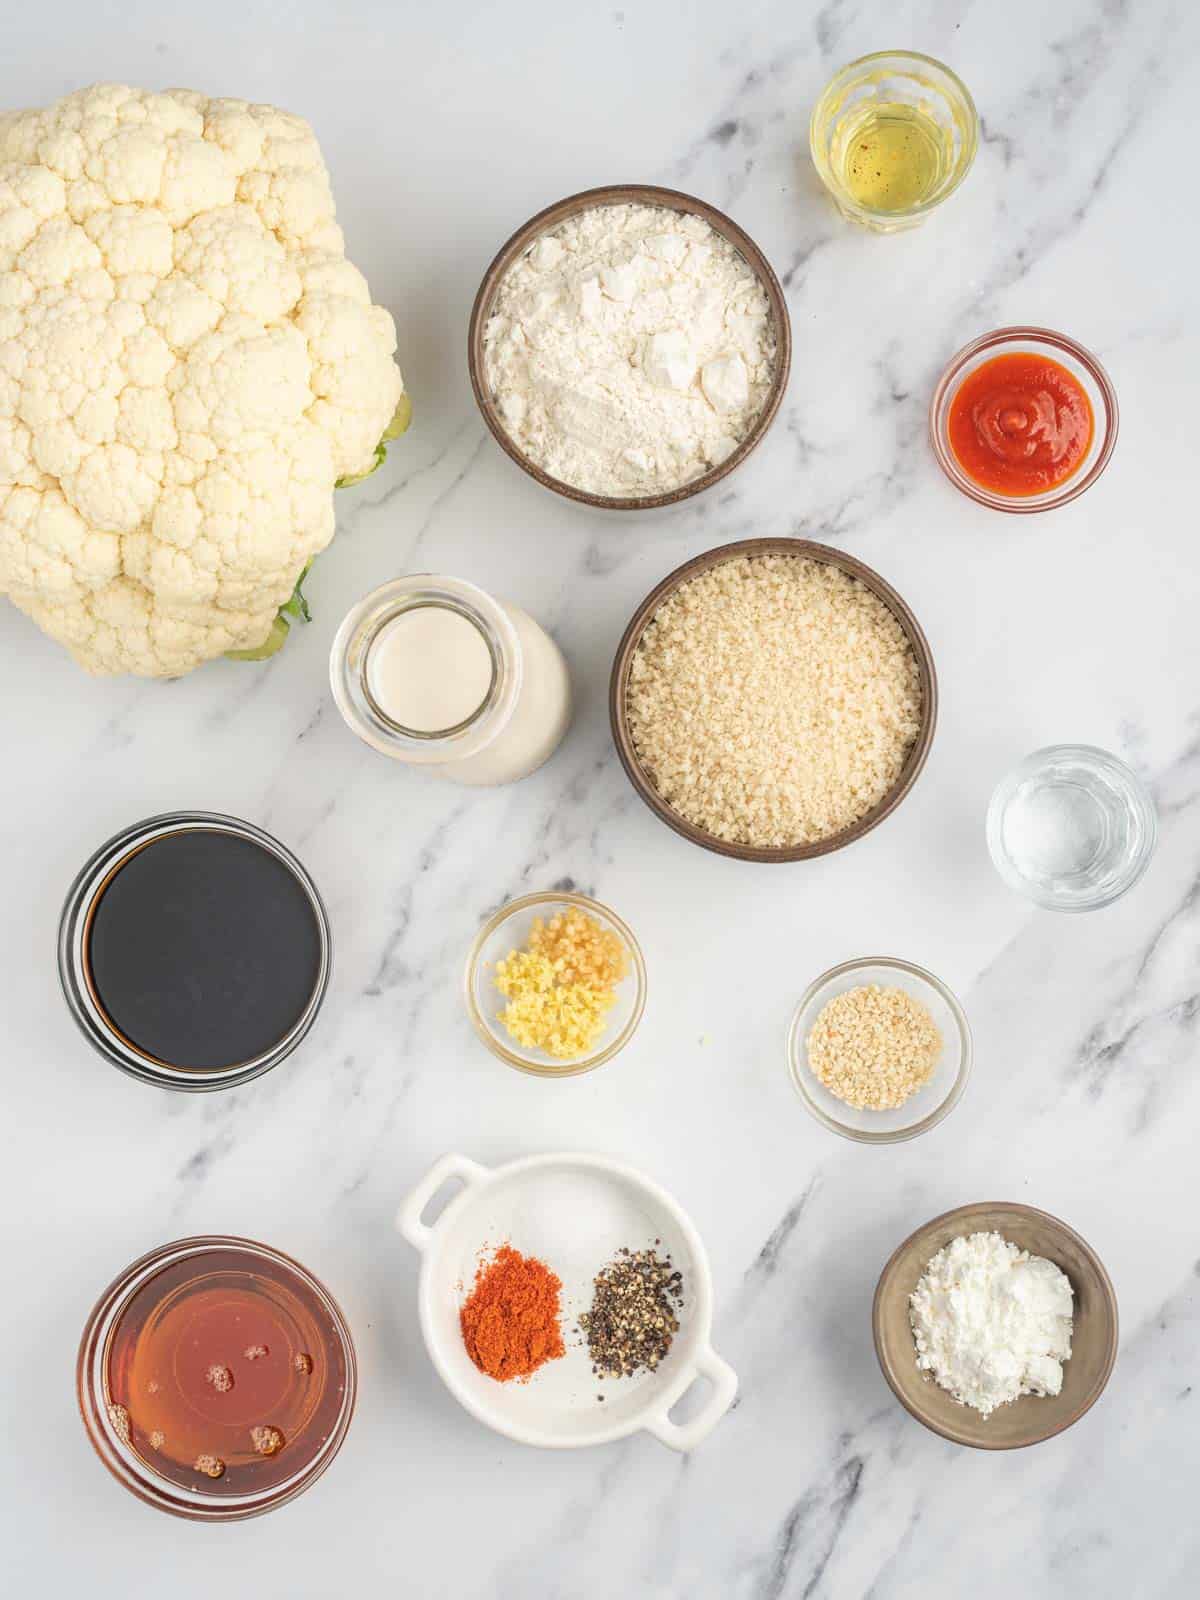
x=188, y=366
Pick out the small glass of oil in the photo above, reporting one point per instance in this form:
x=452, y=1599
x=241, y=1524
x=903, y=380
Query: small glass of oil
x=892, y=136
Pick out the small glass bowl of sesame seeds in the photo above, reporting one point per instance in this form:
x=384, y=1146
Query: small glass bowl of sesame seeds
x=879, y=1050
x=555, y=984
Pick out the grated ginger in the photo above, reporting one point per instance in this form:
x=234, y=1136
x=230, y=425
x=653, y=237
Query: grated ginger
x=581, y=950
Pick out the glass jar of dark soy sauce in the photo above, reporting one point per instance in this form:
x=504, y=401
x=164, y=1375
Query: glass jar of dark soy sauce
x=194, y=951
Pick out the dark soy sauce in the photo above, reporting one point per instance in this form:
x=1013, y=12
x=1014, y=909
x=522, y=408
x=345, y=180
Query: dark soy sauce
x=204, y=950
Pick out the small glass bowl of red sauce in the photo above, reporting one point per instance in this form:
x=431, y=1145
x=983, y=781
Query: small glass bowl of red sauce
x=1023, y=419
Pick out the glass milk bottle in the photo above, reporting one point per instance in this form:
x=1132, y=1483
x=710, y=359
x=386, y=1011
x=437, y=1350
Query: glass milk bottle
x=433, y=671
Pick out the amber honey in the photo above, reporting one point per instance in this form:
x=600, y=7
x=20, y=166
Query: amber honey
x=225, y=1372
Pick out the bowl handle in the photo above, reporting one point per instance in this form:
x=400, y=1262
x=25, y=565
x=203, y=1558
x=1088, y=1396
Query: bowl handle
x=408, y=1218
x=687, y=1435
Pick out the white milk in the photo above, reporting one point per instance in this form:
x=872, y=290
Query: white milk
x=540, y=717
x=434, y=672
x=429, y=669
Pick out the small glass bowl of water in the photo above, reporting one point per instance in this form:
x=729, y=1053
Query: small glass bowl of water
x=1071, y=827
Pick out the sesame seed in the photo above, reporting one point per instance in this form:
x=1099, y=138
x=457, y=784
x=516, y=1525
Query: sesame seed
x=874, y=1047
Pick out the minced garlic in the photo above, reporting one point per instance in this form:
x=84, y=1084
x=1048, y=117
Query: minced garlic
x=562, y=986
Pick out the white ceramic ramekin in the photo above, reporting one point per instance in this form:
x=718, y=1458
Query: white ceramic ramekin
x=574, y=1212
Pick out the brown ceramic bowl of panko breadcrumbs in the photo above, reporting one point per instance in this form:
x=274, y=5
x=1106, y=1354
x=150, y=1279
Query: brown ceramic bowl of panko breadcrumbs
x=773, y=700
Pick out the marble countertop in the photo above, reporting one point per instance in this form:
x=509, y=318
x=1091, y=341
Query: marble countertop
x=445, y=127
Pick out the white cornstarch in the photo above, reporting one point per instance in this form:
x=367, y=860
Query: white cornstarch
x=629, y=350
x=991, y=1322
x=772, y=700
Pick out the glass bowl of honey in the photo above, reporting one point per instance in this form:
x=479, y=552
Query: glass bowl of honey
x=892, y=137
x=216, y=1378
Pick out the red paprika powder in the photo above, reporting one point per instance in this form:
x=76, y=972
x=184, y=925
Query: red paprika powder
x=510, y=1321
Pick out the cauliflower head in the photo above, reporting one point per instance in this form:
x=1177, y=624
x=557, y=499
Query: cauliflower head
x=188, y=366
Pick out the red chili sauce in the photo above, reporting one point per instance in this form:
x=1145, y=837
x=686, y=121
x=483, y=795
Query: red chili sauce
x=1020, y=424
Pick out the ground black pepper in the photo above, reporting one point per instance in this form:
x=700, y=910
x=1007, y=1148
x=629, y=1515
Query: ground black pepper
x=633, y=1318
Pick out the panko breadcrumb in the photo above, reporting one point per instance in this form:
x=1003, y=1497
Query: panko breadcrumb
x=773, y=700
x=874, y=1047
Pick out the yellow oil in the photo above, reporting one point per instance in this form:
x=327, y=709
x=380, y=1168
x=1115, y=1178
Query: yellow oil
x=892, y=156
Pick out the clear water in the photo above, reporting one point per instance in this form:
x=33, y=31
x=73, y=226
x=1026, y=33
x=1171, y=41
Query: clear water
x=1072, y=827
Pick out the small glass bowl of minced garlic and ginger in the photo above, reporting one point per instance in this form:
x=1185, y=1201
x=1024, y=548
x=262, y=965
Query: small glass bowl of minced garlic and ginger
x=555, y=984
x=879, y=1050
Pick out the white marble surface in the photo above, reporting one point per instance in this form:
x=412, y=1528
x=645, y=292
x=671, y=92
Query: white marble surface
x=445, y=126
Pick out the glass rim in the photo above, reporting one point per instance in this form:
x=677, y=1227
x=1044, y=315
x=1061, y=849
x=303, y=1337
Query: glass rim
x=947, y=386
x=123, y=1462
x=608, y=1049
x=364, y=623
x=477, y=712
x=797, y=1067
x=922, y=207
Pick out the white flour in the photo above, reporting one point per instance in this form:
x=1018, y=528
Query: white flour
x=629, y=350
x=992, y=1322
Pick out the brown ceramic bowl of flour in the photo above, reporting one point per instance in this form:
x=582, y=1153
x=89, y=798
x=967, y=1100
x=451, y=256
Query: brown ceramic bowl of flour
x=624, y=194
x=1033, y=1418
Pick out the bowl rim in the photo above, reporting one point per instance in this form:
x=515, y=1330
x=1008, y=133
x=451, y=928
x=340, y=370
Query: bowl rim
x=699, y=1326
x=923, y=208
x=629, y=194
x=945, y=388
x=966, y=1051
x=1054, y=1225
x=785, y=546
x=525, y=902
